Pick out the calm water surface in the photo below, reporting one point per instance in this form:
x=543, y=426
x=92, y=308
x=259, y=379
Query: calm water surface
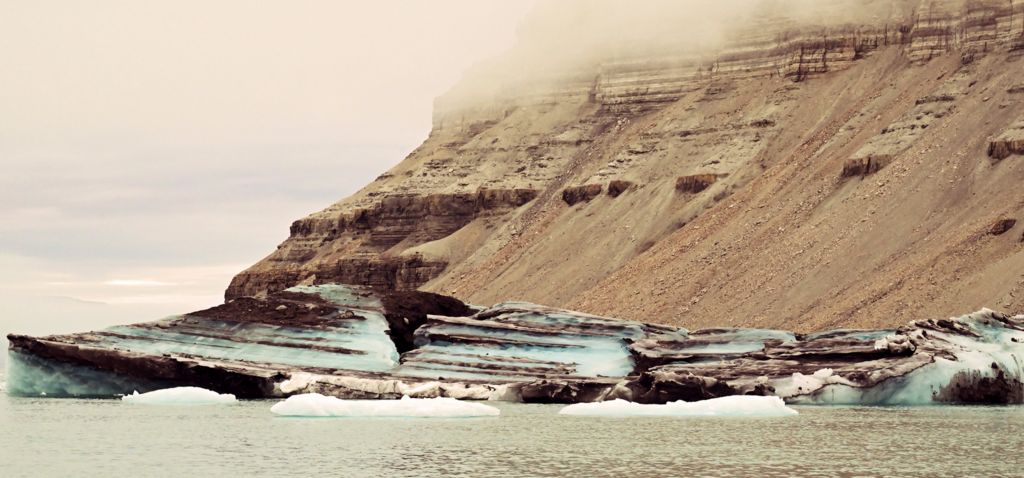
x=51, y=437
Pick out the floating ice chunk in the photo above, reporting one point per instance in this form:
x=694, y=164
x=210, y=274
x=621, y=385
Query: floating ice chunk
x=179, y=396
x=316, y=405
x=733, y=406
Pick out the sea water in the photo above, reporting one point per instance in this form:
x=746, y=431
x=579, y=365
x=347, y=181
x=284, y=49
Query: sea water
x=68, y=437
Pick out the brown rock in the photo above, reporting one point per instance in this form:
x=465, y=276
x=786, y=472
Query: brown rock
x=695, y=183
x=865, y=166
x=617, y=187
x=576, y=194
x=1002, y=226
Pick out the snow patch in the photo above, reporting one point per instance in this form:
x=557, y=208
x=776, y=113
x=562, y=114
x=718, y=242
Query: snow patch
x=733, y=406
x=317, y=405
x=297, y=381
x=179, y=396
x=895, y=343
x=800, y=384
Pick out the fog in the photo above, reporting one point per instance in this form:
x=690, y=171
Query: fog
x=574, y=38
x=151, y=150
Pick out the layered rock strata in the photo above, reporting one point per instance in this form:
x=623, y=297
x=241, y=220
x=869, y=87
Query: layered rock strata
x=1009, y=143
x=345, y=341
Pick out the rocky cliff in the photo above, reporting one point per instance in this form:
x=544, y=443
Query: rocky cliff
x=835, y=165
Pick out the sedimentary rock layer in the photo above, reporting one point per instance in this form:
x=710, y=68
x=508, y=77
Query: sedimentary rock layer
x=364, y=242
x=1009, y=143
x=345, y=341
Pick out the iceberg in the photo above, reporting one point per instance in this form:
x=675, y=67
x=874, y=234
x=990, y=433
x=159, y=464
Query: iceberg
x=179, y=396
x=361, y=343
x=317, y=405
x=733, y=406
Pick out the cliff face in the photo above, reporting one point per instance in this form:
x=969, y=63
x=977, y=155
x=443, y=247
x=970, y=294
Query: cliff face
x=807, y=172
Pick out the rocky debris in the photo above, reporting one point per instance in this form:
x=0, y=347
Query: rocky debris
x=938, y=98
x=563, y=391
x=695, y=183
x=1002, y=226
x=517, y=351
x=1008, y=143
x=618, y=186
x=576, y=194
x=664, y=385
x=278, y=309
x=972, y=386
x=901, y=135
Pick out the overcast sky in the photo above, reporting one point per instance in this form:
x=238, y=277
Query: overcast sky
x=151, y=150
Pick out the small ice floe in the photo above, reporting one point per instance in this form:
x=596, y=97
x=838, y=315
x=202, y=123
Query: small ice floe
x=179, y=396
x=732, y=406
x=317, y=405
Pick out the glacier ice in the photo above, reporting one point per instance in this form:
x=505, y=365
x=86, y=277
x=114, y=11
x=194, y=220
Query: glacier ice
x=31, y=375
x=732, y=406
x=317, y=405
x=338, y=340
x=976, y=358
x=179, y=396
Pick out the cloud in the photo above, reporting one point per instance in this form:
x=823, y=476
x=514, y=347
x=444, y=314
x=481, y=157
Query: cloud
x=137, y=283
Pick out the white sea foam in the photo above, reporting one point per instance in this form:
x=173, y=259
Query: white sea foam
x=317, y=405
x=179, y=396
x=734, y=406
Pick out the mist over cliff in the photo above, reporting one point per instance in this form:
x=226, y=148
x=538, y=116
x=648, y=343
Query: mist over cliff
x=797, y=164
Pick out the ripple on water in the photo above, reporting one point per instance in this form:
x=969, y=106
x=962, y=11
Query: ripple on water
x=41, y=437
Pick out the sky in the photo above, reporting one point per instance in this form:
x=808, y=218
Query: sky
x=151, y=150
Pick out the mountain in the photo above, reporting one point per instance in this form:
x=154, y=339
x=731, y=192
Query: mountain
x=783, y=164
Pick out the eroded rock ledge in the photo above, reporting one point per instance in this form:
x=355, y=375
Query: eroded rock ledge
x=363, y=242
x=1009, y=143
x=354, y=342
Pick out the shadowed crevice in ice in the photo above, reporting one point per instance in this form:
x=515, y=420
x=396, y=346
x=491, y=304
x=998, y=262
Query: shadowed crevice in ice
x=29, y=374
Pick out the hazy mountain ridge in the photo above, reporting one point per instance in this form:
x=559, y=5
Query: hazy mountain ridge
x=805, y=171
